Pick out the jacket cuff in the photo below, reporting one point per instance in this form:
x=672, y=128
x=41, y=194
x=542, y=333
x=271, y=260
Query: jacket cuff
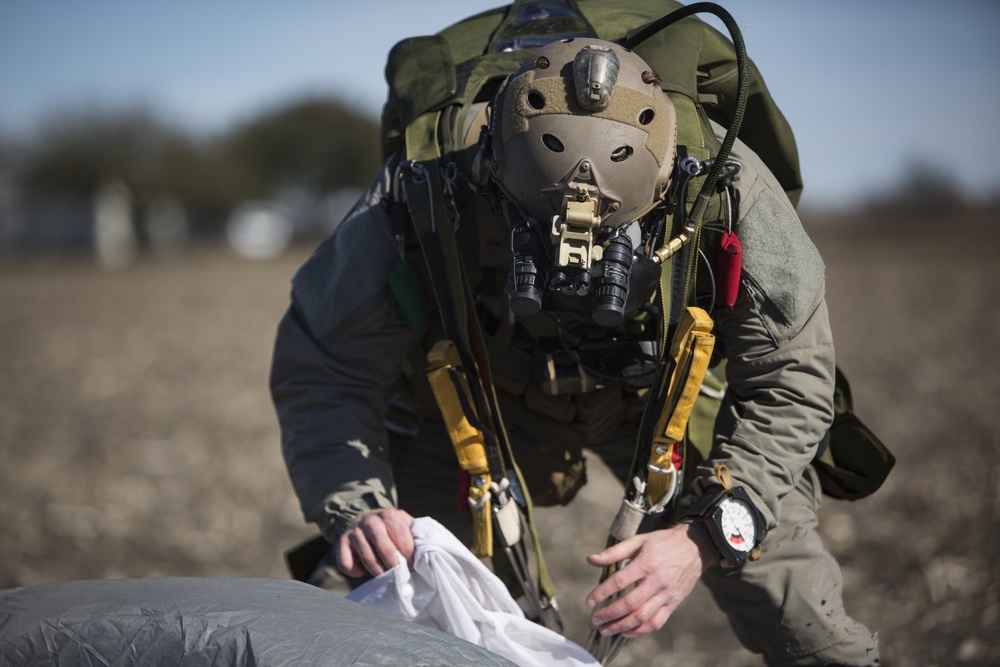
x=342, y=516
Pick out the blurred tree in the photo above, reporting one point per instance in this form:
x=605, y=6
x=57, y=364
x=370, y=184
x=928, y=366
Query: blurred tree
x=925, y=190
x=74, y=152
x=198, y=174
x=318, y=144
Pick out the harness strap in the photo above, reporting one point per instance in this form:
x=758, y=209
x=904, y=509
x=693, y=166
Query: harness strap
x=454, y=398
x=422, y=137
x=432, y=221
x=690, y=355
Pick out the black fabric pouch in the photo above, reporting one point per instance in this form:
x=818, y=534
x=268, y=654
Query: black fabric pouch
x=853, y=463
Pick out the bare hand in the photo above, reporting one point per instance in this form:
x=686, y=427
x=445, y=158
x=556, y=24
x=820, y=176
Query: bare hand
x=375, y=542
x=664, y=565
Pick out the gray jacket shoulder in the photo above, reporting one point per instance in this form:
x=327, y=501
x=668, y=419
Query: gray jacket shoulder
x=785, y=270
x=351, y=266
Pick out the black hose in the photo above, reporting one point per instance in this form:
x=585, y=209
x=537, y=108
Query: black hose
x=743, y=86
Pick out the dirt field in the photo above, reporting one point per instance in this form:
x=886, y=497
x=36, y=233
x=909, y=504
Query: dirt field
x=139, y=440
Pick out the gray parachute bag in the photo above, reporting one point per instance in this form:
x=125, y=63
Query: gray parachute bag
x=215, y=621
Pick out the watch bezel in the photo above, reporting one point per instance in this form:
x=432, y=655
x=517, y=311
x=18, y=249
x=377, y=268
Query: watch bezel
x=711, y=521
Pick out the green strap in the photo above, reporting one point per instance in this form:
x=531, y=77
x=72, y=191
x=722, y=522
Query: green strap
x=422, y=139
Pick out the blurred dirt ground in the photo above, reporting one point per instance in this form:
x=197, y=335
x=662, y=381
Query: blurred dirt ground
x=138, y=438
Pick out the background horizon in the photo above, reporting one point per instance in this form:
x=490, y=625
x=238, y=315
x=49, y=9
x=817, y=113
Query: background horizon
x=873, y=91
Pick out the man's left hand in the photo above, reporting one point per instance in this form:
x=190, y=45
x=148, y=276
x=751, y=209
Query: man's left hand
x=664, y=566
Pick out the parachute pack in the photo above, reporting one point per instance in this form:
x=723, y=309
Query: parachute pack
x=434, y=81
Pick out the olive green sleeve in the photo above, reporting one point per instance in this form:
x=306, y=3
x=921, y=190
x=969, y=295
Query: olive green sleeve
x=778, y=346
x=330, y=397
x=338, y=349
x=778, y=404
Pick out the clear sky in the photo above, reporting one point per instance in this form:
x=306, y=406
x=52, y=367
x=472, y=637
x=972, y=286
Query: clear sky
x=869, y=86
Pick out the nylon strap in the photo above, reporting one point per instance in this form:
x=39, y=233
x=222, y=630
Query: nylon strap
x=422, y=138
x=690, y=354
x=433, y=223
x=454, y=398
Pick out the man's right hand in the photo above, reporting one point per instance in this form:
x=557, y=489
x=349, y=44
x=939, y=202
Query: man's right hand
x=375, y=542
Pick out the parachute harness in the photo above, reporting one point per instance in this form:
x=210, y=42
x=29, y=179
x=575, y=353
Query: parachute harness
x=657, y=465
x=460, y=377
x=476, y=426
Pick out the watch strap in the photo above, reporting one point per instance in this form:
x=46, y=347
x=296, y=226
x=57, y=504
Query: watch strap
x=701, y=515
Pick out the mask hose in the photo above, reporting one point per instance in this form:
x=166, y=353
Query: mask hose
x=743, y=85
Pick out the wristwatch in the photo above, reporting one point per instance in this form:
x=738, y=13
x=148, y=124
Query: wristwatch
x=732, y=523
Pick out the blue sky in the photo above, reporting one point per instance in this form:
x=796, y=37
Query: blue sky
x=869, y=86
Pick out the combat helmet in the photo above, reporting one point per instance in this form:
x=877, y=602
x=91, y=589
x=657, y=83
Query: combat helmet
x=581, y=140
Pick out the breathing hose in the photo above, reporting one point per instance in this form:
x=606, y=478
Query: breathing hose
x=742, y=86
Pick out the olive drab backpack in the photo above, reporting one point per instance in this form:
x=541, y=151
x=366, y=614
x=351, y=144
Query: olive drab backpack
x=435, y=80
x=439, y=87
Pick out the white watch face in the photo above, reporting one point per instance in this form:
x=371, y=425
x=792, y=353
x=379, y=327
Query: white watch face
x=738, y=524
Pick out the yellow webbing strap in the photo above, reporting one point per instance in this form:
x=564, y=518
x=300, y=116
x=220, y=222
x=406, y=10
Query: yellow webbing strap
x=691, y=352
x=452, y=291
x=447, y=379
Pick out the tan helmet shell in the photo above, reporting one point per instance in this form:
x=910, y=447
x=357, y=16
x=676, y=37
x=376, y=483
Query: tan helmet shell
x=546, y=145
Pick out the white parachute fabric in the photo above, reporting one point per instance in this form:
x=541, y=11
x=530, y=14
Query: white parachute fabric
x=450, y=590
